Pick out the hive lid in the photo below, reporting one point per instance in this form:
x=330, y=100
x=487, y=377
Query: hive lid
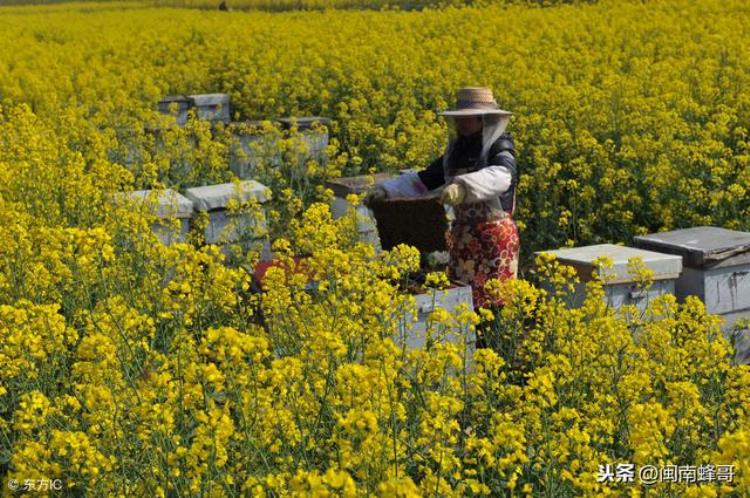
x=209, y=99
x=251, y=123
x=664, y=266
x=419, y=222
x=211, y=197
x=354, y=184
x=168, y=203
x=304, y=122
x=701, y=247
x=175, y=98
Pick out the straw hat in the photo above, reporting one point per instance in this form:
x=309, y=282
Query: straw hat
x=475, y=101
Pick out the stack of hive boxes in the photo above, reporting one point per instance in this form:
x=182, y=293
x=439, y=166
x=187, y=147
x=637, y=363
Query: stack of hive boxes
x=716, y=268
x=622, y=289
x=251, y=147
x=413, y=333
x=413, y=329
x=710, y=263
x=208, y=106
x=223, y=228
x=164, y=205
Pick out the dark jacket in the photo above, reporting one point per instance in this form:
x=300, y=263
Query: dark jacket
x=465, y=157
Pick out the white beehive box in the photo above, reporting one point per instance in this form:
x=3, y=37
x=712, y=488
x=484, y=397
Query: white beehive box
x=716, y=261
x=317, y=141
x=244, y=157
x=212, y=106
x=167, y=205
x=741, y=334
x=621, y=290
x=342, y=187
x=177, y=106
x=716, y=269
x=208, y=106
x=250, y=148
x=412, y=334
x=225, y=227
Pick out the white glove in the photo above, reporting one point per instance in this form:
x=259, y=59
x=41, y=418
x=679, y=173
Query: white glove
x=453, y=194
x=375, y=195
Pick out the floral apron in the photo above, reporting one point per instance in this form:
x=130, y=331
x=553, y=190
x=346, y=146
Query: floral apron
x=482, y=247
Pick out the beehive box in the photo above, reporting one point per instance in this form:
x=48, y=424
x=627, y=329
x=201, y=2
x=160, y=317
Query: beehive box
x=128, y=148
x=317, y=141
x=411, y=330
x=249, y=148
x=224, y=227
x=208, y=106
x=621, y=290
x=344, y=186
x=739, y=334
x=716, y=265
x=412, y=334
x=716, y=269
x=177, y=106
x=168, y=140
x=167, y=204
x=212, y=106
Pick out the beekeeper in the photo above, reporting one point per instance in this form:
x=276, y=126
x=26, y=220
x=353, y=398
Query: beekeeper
x=477, y=175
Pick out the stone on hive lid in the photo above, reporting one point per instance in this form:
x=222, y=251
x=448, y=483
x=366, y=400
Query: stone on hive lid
x=168, y=204
x=701, y=247
x=213, y=197
x=664, y=266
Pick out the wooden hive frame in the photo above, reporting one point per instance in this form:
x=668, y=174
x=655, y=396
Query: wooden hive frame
x=420, y=222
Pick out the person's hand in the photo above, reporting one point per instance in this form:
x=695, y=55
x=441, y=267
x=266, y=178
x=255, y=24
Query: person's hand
x=375, y=195
x=453, y=194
